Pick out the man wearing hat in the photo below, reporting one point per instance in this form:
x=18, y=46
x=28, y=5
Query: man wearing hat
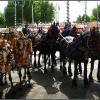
x=26, y=31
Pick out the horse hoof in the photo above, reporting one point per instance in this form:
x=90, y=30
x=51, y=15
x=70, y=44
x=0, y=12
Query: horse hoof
x=52, y=70
x=70, y=75
x=1, y=83
x=20, y=88
x=99, y=80
x=30, y=85
x=39, y=66
x=86, y=82
x=64, y=72
x=6, y=83
x=24, y=77
x=91, y=79
x=1, y=94
x=60, y=68
x=45, y=71
x=74, y=84
x=20, y=83
x=13, y=92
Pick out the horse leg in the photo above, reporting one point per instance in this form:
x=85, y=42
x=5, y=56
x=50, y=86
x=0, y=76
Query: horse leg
x=10, y=79
x=80, y=69
x=1, y=79
x=20, y=75
x=39, y=56
x=74, y=81
x=35, y=59
x=45, y=70
x=29, y=74
x=69, y=68
x=6, y=79
x=91, y=70
x=49, y=60
x=53, y=61
x=85, y=73
x=64, y=66
x=54, y=58
x=98, y=72
x=24, y=77
x=61, y=62
x=1, y=92
x=31, y=59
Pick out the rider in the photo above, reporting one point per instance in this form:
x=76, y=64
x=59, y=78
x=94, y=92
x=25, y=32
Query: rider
x=93, y=31
x=40, y=30
x=26, y=30
x=67, y=29
x=74, y=31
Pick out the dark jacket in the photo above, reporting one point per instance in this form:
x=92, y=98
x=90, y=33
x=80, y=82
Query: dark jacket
x=26, y=31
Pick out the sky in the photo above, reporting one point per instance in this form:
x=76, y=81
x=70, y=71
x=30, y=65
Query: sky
x=76, y=8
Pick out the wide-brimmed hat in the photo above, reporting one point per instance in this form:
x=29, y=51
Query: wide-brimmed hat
x=26, y=24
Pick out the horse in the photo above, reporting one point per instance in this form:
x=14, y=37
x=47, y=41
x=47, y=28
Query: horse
x=46, y=45
x=36, y=39
x=92, y=45
x=73, y=52
x=6, y=59
x=22, y=56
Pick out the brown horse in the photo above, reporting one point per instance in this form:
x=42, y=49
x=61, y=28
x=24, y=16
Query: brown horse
x=22, y=56
x=5, y=60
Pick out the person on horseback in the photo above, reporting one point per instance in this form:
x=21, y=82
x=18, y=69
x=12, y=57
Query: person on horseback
x=67, y=29
x=26, y=31
x=74, y=31
x=40, y=30
x=93, y=32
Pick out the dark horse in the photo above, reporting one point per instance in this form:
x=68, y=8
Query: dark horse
x=73, y=51
x=47, y=44
x=93, y=51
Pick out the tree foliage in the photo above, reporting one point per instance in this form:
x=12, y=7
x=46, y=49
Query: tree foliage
x=94, y=13
x=80, y=18
x=43, y=12
x=2, y=20
x=93, y=17
x=9, y=14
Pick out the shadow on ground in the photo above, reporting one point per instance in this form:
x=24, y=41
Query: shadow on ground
x=17, y=91
x=81, y=92
x=55, y=83
x=50, y=81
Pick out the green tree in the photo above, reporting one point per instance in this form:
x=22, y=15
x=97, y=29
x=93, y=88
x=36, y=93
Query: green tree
x=80, y=18
x=43, y=12
x=2, y=20
x=9, y=14
x=87, y=18
x=94, y=13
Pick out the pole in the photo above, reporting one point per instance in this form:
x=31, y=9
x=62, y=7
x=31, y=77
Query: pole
x=97, y=16
x=15, y=14
x=22, y=12
x=68, y=11
x=85, y=14
x=32, y=15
